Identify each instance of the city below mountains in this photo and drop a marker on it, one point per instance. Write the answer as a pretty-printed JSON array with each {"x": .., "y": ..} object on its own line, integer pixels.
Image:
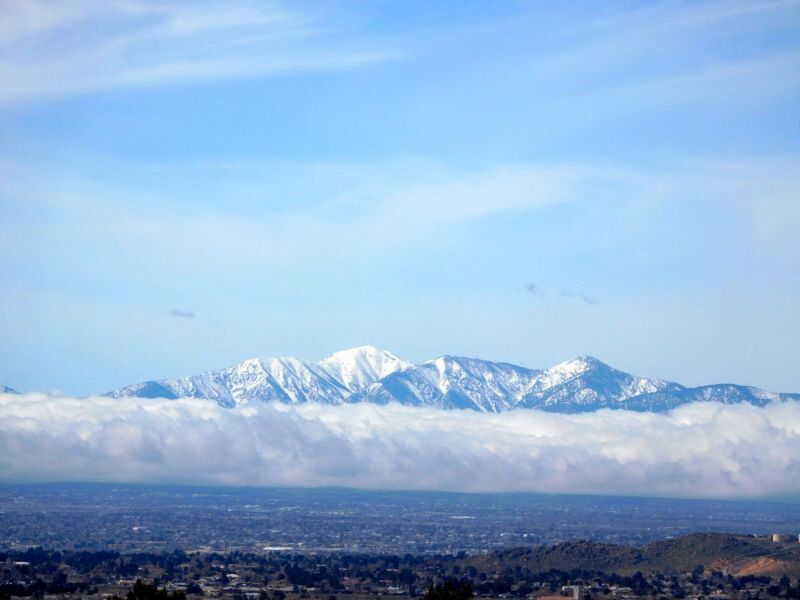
[{"x": 367, "y": 374}]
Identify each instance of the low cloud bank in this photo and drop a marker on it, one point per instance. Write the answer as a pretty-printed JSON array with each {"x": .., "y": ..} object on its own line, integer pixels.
[{"x": 697, "y": 450}]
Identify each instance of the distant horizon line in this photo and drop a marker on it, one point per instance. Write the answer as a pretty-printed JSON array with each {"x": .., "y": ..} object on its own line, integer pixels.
[{"x": 779, "y": 499}]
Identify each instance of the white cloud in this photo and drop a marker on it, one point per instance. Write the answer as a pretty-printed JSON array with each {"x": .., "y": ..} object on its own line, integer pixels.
[
  {"x": 60, "y": 48},
  {"x": 698, "y": 450},
  {"x": 262, "y": 208},
  {"x": 267, "y": 206}
]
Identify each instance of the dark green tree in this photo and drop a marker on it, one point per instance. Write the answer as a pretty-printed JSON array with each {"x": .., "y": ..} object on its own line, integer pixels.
[
  {"x": 150, "y": 591},
  {"x": 450, "y": 590}
]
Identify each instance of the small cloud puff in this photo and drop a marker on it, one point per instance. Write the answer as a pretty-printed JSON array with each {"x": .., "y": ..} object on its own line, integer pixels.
[
  {"x": 697, "y": 450},
  {"x": 568, "y": 294},
  {"x": 534, "y": 289},
  {"x": 590, "y": 299},
  {"x": 586, "y": 297}
]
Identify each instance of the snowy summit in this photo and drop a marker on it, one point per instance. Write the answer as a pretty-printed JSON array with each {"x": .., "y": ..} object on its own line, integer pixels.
[{"x": 367, "y": 374}]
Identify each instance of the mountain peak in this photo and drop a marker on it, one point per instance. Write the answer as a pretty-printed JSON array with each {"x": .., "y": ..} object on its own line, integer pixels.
[
  {"x": 452, "y": 359},
  {"x": 445, "y": 359},
  {"x": 358, "y": 367},
  {"x": 576, "y": 366},
  {"x": 368, "y": 374},
  {"x": 590, "y": 360},
  {"x": 356, "y": 351}
]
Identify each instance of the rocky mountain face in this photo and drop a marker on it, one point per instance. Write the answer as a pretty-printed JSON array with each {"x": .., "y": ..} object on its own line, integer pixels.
[
  {"x": 453, "y": 382},
  {"x": 367, "y": 374},
  {"x": 285, "y": 379}
]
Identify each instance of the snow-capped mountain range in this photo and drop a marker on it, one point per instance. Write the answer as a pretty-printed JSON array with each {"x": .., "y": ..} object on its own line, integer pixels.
[{"x": 366, "y": 374}]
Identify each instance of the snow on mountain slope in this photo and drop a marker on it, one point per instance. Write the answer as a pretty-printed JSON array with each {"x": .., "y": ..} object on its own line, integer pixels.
[
  {"x": 725, "y": 393},
  {"x": 581, "y": 384},
  {"x": 146, "y": 389},
  {"x": 366, "y": 374},
  {"x": 586, "y": 383},
  {"x": 359, "y": 367},
  {"x": 453, "y": 382},
  {"x": 285, "y": 379}
]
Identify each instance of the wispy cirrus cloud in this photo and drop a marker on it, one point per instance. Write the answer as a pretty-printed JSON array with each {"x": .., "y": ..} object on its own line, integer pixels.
[
  {"x": 658, "y": 56},
  {"x": 698, "y": 450},
  {"x": 62, "y": 48},
  {"x": 565, "y": 293},
  {"x": 585, "y": 297},
  {"x": 253, "y": 209}
]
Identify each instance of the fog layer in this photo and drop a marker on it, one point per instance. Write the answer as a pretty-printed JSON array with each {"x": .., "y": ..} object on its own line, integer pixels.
[{"x": 698, "y": 450}]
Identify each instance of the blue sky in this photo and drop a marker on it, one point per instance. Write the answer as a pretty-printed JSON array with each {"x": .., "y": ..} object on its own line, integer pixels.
[{"x": 186, "y": 185}]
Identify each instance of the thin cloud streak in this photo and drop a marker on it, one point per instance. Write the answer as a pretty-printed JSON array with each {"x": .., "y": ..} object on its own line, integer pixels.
[
  {"x": 648, "y": 57},
  {"x": 78, "y": 47},
  {"x": 566, "y": 294},
  {"x": 586, "y": 297},
  {"x": 387, "y": 206},
  {"x": 385, "y": 203},
  {"x": 698, "y": 450}
]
